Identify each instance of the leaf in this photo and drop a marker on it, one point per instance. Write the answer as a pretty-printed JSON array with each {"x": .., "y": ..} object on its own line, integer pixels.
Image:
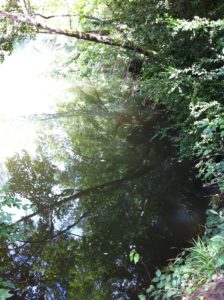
[
  {"x": 212, "y": 211},
  {"x": 161, "y": 284},
  {"x": 136, "y": 258},
  {"x": 150, "y": 289},
  {"x": 219, "y": 261},
  {"x": 141, "y": 297},
  {"x": 202, "y": 123},
  {"x": 4, "y": 294},
  {"x": 207, "y": 133},
  {"x": 218, "y": 239},
  {"x": 174, "y": 282},
  {"x": 158, "y": 273},
  {"x": 156, "y": 279},
  {"x": 131, "y": 255},
  {"x": 168, "y": 278},
  {"x": 207, "y": 151},
  {"x": 26, "y": 206},
  {"x": 171, "y": 293}
]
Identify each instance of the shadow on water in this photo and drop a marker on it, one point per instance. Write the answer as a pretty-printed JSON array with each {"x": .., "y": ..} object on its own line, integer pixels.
[
  {"x": 157, "y": 210},
  {"x": 173, "y": 205}
]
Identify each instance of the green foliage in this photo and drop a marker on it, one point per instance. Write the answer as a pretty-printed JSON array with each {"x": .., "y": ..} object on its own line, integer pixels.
[
  {"x": 196, "y": 266},
  {"x": 209, "y": 146},
  {"x": 141, "y": 297},
  {"x": 9, "y": 233},
  {"x": 32, "y": 179},
  {"x": 180, "y": 89},
  {"x": 134, "y": 256},
  {"x": 4, "y": 294}
]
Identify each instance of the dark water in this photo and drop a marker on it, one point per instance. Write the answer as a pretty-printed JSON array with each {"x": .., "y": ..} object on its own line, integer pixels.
[{"x": 156, "y": 206}]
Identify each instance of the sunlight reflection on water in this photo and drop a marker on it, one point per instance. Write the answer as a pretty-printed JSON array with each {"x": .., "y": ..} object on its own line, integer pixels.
[{"x": 27, "y": 87}]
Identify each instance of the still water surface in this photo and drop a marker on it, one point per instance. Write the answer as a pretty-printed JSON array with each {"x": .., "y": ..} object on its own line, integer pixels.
[{"x": 148, "y": 202}]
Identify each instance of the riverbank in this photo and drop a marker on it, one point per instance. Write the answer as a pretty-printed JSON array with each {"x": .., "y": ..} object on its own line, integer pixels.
[{"x": 198, "y": 272}]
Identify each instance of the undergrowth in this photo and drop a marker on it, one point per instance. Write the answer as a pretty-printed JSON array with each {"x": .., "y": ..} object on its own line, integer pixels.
[{"x": 198, "y": 265}]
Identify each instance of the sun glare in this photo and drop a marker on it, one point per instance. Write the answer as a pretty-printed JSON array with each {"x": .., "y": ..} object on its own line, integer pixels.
[{"x": 26, "y": 89}]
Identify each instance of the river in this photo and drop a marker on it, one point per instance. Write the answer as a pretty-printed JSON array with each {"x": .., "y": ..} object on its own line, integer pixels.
[{"x": 130, "y": 192}]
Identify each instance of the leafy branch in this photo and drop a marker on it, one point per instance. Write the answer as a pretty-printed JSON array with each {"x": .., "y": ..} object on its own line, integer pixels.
[{"x": 91, "y": 37}]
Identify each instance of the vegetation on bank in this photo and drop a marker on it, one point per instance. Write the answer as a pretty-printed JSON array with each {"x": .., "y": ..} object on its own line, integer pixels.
[{"x": 194, "y": 267}]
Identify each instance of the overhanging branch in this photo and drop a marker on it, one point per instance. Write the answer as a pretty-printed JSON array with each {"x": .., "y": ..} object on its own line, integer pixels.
[
  {"x": 91, "y": 37},
  {"x": 47, "y": 17}
]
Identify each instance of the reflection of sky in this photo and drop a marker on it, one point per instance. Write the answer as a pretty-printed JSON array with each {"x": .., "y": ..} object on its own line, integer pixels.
[{"x": 26, "y": 88}]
